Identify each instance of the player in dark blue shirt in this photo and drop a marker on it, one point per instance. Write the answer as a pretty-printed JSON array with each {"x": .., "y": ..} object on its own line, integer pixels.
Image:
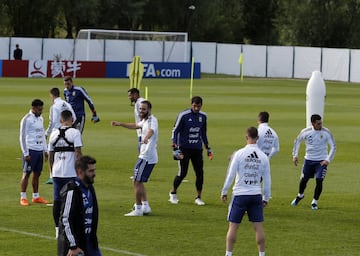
[
  {"x": 76, "y": 96},
  {"x": 188, "y": 137}
]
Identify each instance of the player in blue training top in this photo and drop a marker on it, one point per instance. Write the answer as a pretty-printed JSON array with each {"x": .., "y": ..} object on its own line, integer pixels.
[
  {"x": 188, "y": 136},
  {"x": 76, "y": 95}
]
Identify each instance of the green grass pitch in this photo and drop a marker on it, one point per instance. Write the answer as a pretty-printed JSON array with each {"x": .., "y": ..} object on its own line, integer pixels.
[{"x": 232, "y": 105}]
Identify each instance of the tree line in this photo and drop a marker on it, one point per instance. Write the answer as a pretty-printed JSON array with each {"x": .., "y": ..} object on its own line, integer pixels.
[{"x": 318, "y": 23}]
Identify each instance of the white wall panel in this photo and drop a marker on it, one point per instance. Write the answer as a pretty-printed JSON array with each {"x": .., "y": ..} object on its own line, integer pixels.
[
  {"x": 176, "y": 52},
  {"x": 307, "y": 60},
  {"x": 63, "y": 48},
  {"x": 4, "y": 48},
  {"x": 92, "y": 50},
  {"x": 119, "y": 50},
  {"x": 280, "y": 61},
  {"x": 228, "y": 59},
  {"x": 149, "y": 50},
  {"x": 205, "y": 53},
  {"x": 254, "y": 60},
  {"x": 355, "y": 66},
  {"x": 335, "y": 64}
]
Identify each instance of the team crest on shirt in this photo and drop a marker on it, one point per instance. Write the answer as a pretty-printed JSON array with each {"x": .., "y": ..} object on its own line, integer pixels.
[
  {"x": 200, "y": 119},
  {"x": 73, "y": 93}
]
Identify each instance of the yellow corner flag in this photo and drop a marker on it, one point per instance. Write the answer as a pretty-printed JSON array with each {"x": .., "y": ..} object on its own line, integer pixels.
[
  {"x": 241, "y": 59},
  {"x": 241, "y": 66}
]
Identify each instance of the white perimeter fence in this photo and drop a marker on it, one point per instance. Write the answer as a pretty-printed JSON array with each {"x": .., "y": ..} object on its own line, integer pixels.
[{"x": 215, "y": 58}]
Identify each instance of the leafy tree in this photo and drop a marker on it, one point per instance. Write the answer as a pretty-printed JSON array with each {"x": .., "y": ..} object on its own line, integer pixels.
[
  {"x": 79, "y": 14},
  {"x": 258, "y": 19},
  {"x": 30, "y": 19},
  {"x": 322, "y": 23}
]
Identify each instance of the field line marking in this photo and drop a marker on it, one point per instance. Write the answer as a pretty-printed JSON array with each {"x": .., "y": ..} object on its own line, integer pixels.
[{"x": 53, "y": 238}]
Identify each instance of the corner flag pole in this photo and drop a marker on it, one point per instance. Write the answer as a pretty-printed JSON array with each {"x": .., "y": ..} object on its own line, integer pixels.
[
  {"x": 241, "y": 65},
  {"x": 192, "y": 76}
]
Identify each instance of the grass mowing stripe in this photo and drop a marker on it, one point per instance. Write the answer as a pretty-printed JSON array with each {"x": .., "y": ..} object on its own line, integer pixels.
[{"x": 52, "y": 238}]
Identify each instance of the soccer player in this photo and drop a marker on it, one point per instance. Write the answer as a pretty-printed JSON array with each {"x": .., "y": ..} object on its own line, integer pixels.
[
  {"x": 188, "y": 136},
  {"x": 268, "y": 140},
  {"x": 134, "y": 97},
  {"x": 317, "y": 157},
  {"x": 64, "y": 149},
  {"x": 79, "y": 212},
  {"x": 147, "y": 158},
  {"x": 33, "y": 147},
  {"x": 56, "y": 108},
  {"x": 248, "y": 165},
  {"x": 76, "y": 96}
]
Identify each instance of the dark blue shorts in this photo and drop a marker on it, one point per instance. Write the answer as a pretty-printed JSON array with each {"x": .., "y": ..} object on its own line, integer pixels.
[
  {"x": 314, "y": 168},
  {"x": 36, "y": 161},
  {"x": 142, "y": 170},
  {"x": 252, "y": 204},
  {"x": 58, "y": 183}
]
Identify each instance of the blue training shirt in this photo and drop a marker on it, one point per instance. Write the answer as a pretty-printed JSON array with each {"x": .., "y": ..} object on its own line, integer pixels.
[
  {"x": 190, "y": 130},
  {"x": 76, "y": 97}
]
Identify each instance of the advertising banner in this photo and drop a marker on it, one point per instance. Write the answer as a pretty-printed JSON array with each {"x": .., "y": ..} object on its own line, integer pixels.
[
  {"x": 95, "y": 69},
  {"x": 154, "y": 70}
]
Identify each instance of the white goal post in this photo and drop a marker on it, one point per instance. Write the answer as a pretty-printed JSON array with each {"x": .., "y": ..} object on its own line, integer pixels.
[{"x": 173, "y": 40}]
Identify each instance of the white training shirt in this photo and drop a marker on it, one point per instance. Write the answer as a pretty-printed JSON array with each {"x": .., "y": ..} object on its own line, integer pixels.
[
  {"x": 268, "y": 140},
  {"x": 316, "y": 144},
  {"x": 54, "y": 116},
  {"x": 64, "y": 162},
  {"x": 32, "y": 134},
  {"x": 136, "y": 113},
  {"x": 248, "y": 165},
  {"x": 148, "y": 151}
]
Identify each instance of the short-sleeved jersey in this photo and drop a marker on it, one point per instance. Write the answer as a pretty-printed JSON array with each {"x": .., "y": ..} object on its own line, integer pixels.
[
  {"x": 64, "y": 162},
  {"x": 316, "y": 144},
  {"x": 148, "y": 151},
  {"x": 54, "y": 116},
  {"x": 268, "y": 140},
  {"x": 136, "y": 113},
  {"x": 190, "y": 130},
  {"x": 248, "y": 166},
  {"x": 32, "y": 135},
  {"x": 76, "y": 97}
]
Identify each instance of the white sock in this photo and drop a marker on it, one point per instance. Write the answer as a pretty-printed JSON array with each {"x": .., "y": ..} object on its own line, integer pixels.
[
  {"x": 22, "y": 195},
  {"x": 138, "y": 207},
  {"x": 145, "y": 203},
  {"x": 36, "y": 195},
  {"x": 261, "y": 253},
  {"x": 227, "y": 253},
  {"x": 300, "y": 195},
  {"x": 314, "y": 201}
]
